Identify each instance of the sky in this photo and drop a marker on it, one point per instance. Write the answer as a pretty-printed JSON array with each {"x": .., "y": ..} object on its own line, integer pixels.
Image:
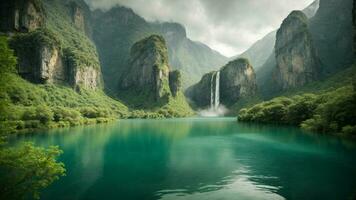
[{"x": 228, "y": 26}]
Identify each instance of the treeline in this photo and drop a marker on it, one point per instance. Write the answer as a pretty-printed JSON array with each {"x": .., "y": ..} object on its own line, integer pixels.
[{"x": 330, "y": 112}]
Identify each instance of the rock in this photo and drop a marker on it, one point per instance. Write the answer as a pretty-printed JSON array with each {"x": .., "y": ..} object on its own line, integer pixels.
[
  {"x": 200, "y": 93},
  {"x": 148, "y": 71},
  {"x": 296, "y": 57},
  {"x": 21, "y": 15},
  {"x": 40, "y": 60},
  {"x": 85, "y": 77},
  {"x": 175, "y": 82},
  {"x": 237, "y": 80}
]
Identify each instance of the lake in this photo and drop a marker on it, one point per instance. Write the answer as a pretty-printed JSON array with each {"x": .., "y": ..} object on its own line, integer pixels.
[{"x": 199, "y": 158}]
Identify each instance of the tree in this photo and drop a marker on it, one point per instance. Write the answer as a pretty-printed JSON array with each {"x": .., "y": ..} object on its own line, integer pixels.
[{"x": 26, "y": 169}]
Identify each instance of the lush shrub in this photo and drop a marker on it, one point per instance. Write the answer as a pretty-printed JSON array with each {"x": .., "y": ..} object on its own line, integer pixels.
[{"x": 333, "y": 111}]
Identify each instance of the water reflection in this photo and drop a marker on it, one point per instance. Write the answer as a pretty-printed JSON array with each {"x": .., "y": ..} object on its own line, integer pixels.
[{"x": 214, "y": 158}]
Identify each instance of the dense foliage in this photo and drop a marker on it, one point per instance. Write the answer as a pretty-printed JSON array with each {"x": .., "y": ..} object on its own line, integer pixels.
[
  {"x": 26, "y": 169},
  {"x": 329, "y": 112}
]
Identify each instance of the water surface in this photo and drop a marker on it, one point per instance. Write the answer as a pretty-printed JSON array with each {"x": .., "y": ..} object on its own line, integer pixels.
[{"x": 198, "y": 159}]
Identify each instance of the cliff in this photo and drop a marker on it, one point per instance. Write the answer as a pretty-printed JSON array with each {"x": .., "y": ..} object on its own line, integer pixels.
[
  {"x": 237, "y": 80},
  {"x": 296, "y": 57},
  {"x": 147, "y": 82},
  {"x": 148, "y": 70},
  {"x": 54, "y": 48}
]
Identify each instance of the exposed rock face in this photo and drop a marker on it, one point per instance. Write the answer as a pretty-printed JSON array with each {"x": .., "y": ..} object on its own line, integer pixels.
[
  {"x": 237, "y": 80},
  {"x": 21, "y": 15},
  {"x": 296, "y": 58},
  {"x": 40, "y": 60},
  {"x": 148, "y": 71},
  {"x": 175, "y": 82},
  {"x": 200, "y": 93},
  {"x": 87, "y": 77}
]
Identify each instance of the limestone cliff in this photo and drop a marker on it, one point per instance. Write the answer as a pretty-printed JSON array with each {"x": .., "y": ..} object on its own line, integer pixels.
[
  {"x": 42, "y": 60},
  {"x": 21, "y": 15},
  {"x": 147, "y": 76},
  {"x": 296, "y": 57},
  {"x": 237, "y": 80}
]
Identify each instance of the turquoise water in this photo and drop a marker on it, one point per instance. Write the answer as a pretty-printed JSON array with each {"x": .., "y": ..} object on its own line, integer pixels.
[{"x": 206, "y": 158}]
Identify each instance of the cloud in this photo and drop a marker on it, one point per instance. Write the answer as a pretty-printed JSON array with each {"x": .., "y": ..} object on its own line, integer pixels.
[{"x": 228, "y": 26}]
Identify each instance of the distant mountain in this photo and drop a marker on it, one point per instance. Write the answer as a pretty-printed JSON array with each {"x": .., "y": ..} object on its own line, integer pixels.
[
  {"x": 116, "y": 30},
  {"x": 259, "y": 52}
]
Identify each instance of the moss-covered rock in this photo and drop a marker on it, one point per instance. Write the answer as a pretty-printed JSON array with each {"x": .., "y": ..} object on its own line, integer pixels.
[{"x": 148, "y": 70}]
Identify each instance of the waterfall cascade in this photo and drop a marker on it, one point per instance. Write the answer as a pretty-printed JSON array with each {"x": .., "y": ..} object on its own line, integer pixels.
[{"x": 215, "y": 91}]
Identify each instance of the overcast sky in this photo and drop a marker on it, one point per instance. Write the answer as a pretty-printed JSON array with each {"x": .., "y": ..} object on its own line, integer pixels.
[{"x": 228, "y": 26}]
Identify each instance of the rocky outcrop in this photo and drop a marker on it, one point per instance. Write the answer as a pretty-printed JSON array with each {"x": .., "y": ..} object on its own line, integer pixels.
[
  {"x": 296, "y": 57},
  {"x": 175, "y": 82},
  {"x": 237, "y": 80},
  {"x": 41, "y": 60},
  {"x": 200, "y": 94},
  {"x": 21, "y": 15},
  {"x": 148, "y": 70},
  {"x": 86, "y": 77}
]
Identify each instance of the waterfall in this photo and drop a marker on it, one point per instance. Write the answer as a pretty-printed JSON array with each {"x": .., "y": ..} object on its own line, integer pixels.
[
  {"x": 215, "y": 92},
  {"x": 212, "y": 91}
]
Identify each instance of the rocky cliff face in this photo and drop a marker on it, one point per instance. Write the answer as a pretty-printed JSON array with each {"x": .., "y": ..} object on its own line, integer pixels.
[
  {"x": 148, "y": 70},
  {"x": 201, "y": 93},
  {"x": 296, "y": 57},
  {"x": 21, "y": 15},
  {"x": 237, "y": 80}
]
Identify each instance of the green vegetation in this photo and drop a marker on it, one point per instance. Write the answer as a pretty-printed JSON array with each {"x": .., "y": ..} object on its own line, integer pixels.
[
  {"x": 329, "y": 112},
  {"x": 26, "y": 106},
  {"x": 77, "y": 47},
  {"x": 25, "y": 170}
]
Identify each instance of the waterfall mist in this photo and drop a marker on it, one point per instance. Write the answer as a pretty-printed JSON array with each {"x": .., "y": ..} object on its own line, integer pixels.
[{"x": 215, "y": 108}]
